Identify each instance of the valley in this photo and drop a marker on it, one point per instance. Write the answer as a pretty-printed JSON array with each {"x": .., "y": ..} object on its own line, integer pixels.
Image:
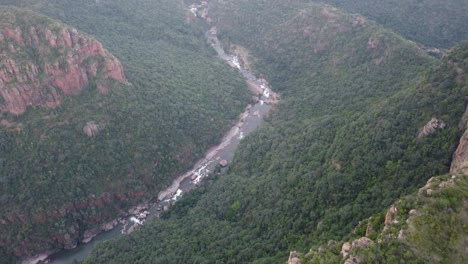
[
  {"x": 154, "y": 131},
  {"x": 210, "y": 166}
]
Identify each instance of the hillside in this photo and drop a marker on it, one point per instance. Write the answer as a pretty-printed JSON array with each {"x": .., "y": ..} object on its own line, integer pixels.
[
  {"x": 82, "y": 138},
  {"x": 425, "y": 227},
  {"x": 429, "y": 22},
  {"x": 359, "y": 125},
  {"x": 42, "y": 64}
]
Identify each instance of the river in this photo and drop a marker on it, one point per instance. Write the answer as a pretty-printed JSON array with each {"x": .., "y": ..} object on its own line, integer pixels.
[{"x": 248, "y": 121}]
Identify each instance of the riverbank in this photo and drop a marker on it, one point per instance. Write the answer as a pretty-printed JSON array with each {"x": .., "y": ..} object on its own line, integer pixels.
[{"x": 263, "y": 98}]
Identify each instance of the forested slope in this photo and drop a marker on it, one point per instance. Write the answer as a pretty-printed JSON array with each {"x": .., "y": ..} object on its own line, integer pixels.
[
  {"x": 432, "y": 23},
  {"x": 56, "y": 182},
  {"x": 344, "y": 143},
  {"x": 425, "y": 227},
  {"x": 429, "y": 22}
]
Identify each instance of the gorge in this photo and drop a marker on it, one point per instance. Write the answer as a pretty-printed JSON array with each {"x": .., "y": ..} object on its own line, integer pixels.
[{"x": 109, "y": 121}]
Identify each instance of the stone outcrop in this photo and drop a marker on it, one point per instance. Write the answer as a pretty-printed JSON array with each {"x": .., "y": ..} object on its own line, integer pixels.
[
  {"x": 431, "y": 127},
  {"x": 362, "y": 242},
  {"x": 294, "y": 258},
  {"x": 460, "y": 157},
  {"x": 91, "y": 129},
  {"x": 345, "y": 249},
  {"x": 223, "y": 163},
  {"x": 390, "y": 214},
  {"x": 351, "y": 260},
  {"x": 369, "y": 229},
  {"x": 42, "y": 63}
]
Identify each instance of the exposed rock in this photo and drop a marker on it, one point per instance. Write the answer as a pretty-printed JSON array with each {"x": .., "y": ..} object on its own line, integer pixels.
[
  {"x": 431, "y": 127},
  {"x": 138, "y": 209},
  {"x": 358, "y": 20},
  {"x": 132, "y": 228},
  {"x": 445, "y": 184},
  {"x": 389, "y": 216},
  {"x": 41, "y": 258},
  {"x": 369, "y": 229},
  {"x": 401, "y": 235},
  {"x": 294, "y": 258},
  {"x": 91, "y": 128},
  {"x": 351, "y": 260},
  {"x": 223, "y": 163},
  {"x": 255, "y": 99},
  {"x": 460, "y": 157},
  {"x": 434, "y": 52},
  {"x": 90, "y": 234},
  {"x": 362, "y": 242},
  {"x": 413, "y": 212},
  {"x": 372, "y": 43},
  {"x": 254, "y": 88},
  {"x": 463, "y": 119},
  {"x": 109, "y": 226},
  {"x": 345, "y": 249},
  {"x": 67, "y": 62},
  {"x": 429, "y": 192},
  {"x": 69, "y": 242}
]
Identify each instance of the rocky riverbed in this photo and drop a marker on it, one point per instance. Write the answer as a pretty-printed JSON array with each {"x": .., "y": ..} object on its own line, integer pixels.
[{"x": 215, "y": 160}]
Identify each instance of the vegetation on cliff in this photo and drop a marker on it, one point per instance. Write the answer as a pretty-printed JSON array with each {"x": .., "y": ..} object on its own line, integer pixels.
[
  {"x": 428, "y": 226},
  {"x": 342, "y": 146},
  {"x": 70, "y": 167}
]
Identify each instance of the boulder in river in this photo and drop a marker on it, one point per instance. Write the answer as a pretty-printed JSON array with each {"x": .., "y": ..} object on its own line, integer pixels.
[
  {"x": 255, "y": 99},
  {"x": 223, "y": 163}
]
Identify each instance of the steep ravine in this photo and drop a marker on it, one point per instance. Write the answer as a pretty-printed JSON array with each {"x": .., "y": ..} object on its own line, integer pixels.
[
  {"x": 429, "y": 224},
  {"x": 263, "y": 99}
]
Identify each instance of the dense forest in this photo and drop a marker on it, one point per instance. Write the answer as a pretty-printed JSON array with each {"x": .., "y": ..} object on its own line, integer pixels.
[
  {"x": 347, "y": 140},
  {"x": 179, "y": 101},
  {"x": 429, "y": 225},
  {"x": 344, "y": 143},
  {"x": 431, "y": 23}
]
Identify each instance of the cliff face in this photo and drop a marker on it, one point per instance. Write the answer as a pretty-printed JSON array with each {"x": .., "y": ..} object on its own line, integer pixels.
[
  {"x": 424, "y": 227},
  {"x": 42, "y": 63},
  {"x": 460, "y": 157}
]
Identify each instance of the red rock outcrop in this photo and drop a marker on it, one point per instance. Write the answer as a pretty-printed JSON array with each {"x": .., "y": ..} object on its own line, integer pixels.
[
  {"x": 63, "y": 62},
  {"x": 460, "y": 157}
]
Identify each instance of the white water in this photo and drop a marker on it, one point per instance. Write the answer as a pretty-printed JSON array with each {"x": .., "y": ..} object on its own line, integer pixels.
[
  {"x": 136, "y": 221},
  {"x": 251, "y": 118}
]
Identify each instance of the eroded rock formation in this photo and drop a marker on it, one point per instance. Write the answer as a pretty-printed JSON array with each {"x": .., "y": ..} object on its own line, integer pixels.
[
  {"x": 41, "y": 64},
  {"x": 431, "y": 127},
  {"x": 294, "y": 258},
  {"x": 460, "y": 157}
]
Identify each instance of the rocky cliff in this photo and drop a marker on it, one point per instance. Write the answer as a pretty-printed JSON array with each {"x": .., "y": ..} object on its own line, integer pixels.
[
  {"x": 43, "y": 61},
  {"x": 427, "y": 227}
]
